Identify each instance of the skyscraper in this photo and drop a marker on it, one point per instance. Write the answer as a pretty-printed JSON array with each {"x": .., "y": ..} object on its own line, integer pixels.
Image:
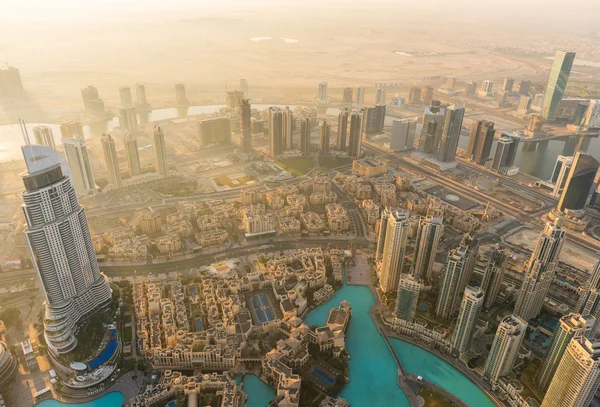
[
  {"x": 451, "y": 133},
  {"x": 234, "y": 99},
  {"x": 305, "y": 135},
  {"x": 128, "y": 118},
  {"x": 485, "y": 89},
  {"x": 524, "y": 87},
  {"x": 125, "y": 95},
  {"x": 360, "y": 96},
  {"x": 569, "y": 326},
  {"x": 160, "y": 152},
  {"x": 373, "y": 119},
  {"x": 414, "y": 95},
  {"x": 385, "y": 214},
  {"x": 557, "y": 83},
  {"x": 287, "y": 119},
  {"x": 403, "y": 134},
  {"x": 43, "y": 136},
  {"x": 577, "y": 377},
  {"x": 245, "y": 125},
  {"x": 111, "y": 160},
  {"x": 491, "y": 281},
  {"x": 275, "y": 136},
  {"x": 592, "y": 115},
  {"x": 69, "y": 129},
  {"x": 506, "y": 151},
  {"x": 427, "y": 93},
  {"x": 560, "y": 173},
  {"x": 470, "y": 307},
  {"x": 507, "y": 86},
  {"x": 323, "y": 98},
  {"x": 140, "y": 93},
  {"x": 180, "y": 96},
  {"x": 505, "y": 347},
  {"x": 342, "y": 129},
  {"x": 589, "y": 299},
  {"x": 480, "y": 141},
  {"x": 355, "y": 142},
  {"x": 91, "y": 99},
  {"x": 432, "y": 127},
  {"x": 244, "y": 87},
  {"x": 393, "y": 250},
  {"x": 451, "y": 281},
  {"x": 78, "y": 158},
  {"x": 428, "y": 237},
  {"x": 215, "y": 130},
  {"x": 348, "y": 93},
  {"x": 61, "y": 248},
  {"x": 524, "y": 104},
  {"x": 131, "y": 154},
  {"x": 380, "y": 96},
  {"x": 539, "y": 271},
  {"x": 579, "y": 182},
  {"x": 408, "y": 296},
  {"x": 325, "y": 130}
]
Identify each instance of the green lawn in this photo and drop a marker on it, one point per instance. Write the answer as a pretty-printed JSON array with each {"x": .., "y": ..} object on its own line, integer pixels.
[
  {"x": 297, "y": 165},
  {"x": 127, "y": 334}
]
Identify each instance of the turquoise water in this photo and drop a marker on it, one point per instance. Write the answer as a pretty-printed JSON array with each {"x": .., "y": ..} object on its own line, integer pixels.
[
  {"x": 373, "y": 372},
  {"x": 114, "y": 399},
  {"x": 259, "y": 394}
]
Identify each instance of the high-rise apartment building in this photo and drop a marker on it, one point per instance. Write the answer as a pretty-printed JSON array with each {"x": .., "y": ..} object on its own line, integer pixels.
[
  {"x": 524, "y": 87},
  {"x": 125, "y": 95},
  {"x": 380, "y": 96},
  {"x": 10, "y": 82},
  {"x": 342, "y": 133},
  {"x": 393, "y": 250},
  {"x": 305, "y": 129},
  {"x": 348, "y": 94},
  {"x": 428, "y": 237},
  {"x": 275, "y": 136},
  {"x": 91, "y": 99},
  {"x": 480, "y": 141},
  {"x": 471, "y": 88},
  {"x": 592, "y": 115},
  {"x": 111, "y": 160},
  {"x": 140, "y": 93},
  {"x": 569, "y": 326},
  {"x": 506, "y": 152},
  {"x": 491, "y": 281},
  {"x": 451, "y": 281},
  {"x": 507, "y": 86},
  {"x": 468, "y": 315},
  {"x": 557, "y": 83},
  {"x": 451, "y": 133},
  {"x": 78, "y": 158},
  {"x": 505, "y": 347},
  {"x": 427, "y": 93},
  {"x": 244, "y": 87},
  {"x": 355, "y": 140},
  {"x": 414, "y": 95},
  {"x": 245, "y": 125},
  {"x": 216, "y": 130},
  {"x": 234, "y": 99},
  {"x": 408, "y": 295},
  {"x": 560, "y": 173},
  {"x": 132, "y": 155},
  {"x": 403, "y": 134},
  {"x": 360, "y": 97},
  {"x": 70, "y": 129},
  {"x": 579, "y": 182},
  {"x": 44, "y": 137},
  {"x": 577, "y": 377},
  {"x": 323, "y": 97},
  {"x": 589, "y": 299},
  {"x": 373, "y": 119},
  {"x": 160, "y": 152},
  {"x": 325, "y": 132},
  {"x": 287, "y": 119},
  {"x": 61, "y": 249},
  {"x": 385, "y": 214},
  {"x": 128, "y": 118},
  {"x": 485, "y": 89},
  {"x": 524, "y": 105},
  {"x": 539, "y": 271},
  {"x": 432, "y": 127},
  {"x": 180, "y": 95}
]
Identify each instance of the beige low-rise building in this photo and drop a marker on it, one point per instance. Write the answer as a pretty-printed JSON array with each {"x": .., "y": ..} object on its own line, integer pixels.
[
  {"x": 386, "y": 194},
  {"x": 312, "y": 222},
  {"x": 251, "y": 196},
  {"x": 323, "y": 198},
  {"x": 321, "y": 183},
  {"x": 371, "y": 210},
  {"x": 150, "y": 222},
  {"x": 289, "y": 226},
  {"x": 369, "y": 167},
  {"x": 338, "y": 220},
  {"x": 363, "y": 191},
  {"x": 211, "y": 238},
  {"x": 168, "y": 244},
  {"x": 275, "y": 201}
]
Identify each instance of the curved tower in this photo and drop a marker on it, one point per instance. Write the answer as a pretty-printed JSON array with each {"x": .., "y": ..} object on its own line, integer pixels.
[{"x": 61, "y": 248}]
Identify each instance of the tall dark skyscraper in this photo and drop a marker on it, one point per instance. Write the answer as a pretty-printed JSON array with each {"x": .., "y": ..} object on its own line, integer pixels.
[
  {"x": 557, "y": 83},
  {"x": 506, "y": 151},
  {"x": 245, "y": 125},
  {"x": 342, "y": 129},
  {"x": 305, "y": 129},
  {"x": 325, "y": 131},
  {"x": 579, "y": 182},
  {"x": 373, "y": 119},
  {"x": 524, "y": 87},
  {"x": 160, "y": 152},
  {"x": 111, "y": 161},
  {"x": 432, "y": 127},
  {"x": 451, "y": 133},
  {"x": 480, "y": 141},
  {"x": 354, "y": 147},
  {"x": 507, "y": 86},
  {"x": 131, "y": 154},
  {"x": 275, "y": 136}
]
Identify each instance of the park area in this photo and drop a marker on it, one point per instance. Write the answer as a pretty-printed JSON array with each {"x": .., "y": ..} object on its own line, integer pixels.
[{"x": 297, "y": 166}]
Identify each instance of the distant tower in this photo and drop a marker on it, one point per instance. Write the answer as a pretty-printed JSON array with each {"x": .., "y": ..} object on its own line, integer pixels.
[
  {"x": 128, "y": 118},
  {"x": 160, "y": 152},
  {"x": 577, "y": 377},
  {"x": 287, "y": 119},
  {"x": 61, "y": 249},
  {"x": 589, "y": 299},
  {"x": 480, "y": 141},
  {"x": 111, "y": 160},
  {"x": 427, "y": 93},
  {"x": 70, "y": 129},
  {"x": 569, "y": 326},
  {"x": 275, "y": 136},
  {"x": 77, "y": 155},
  {"x": 140, "y": 93},
  {"x": 360, "y": 96},
  {"x": 380, "y": 96},
  {"x": 428, "y": 237},
  {"x": 468, "y": 316},
  {"x": 44, "y": 137},
  {"x": 305, "y": 129},
  {"x": 244, "y": 87},
  {"x": 408, "y": 296},
  {"x": 323, "y": 98},
  {"x": 507, "y": 86},
  {"x": 557, "y": 83},
  {"x": 91, "y": 99},
  {"x": 393, "y": 251},
  {"x": 451, "y": 134},
  {"x": 403, "y": 134},
  {"x": 539, "y": 271},
  {"x": 414, "y": 95},
  {"x": 342, "y": 129},
  {"x": 491, "y": 281},
  {"x": 125, "y": 95},
  {"x": 505, "y": 347},
  {"x": 579, "y": 182},
  {"x": 325, "y": 130},
  {"x": 131, "y": 154},
  {"x": 348, "y": 94},
  {"x": 245, "y": 125},
  {"x": 486, "y": 88},
  {"x": 355, "y": 142},
  {"x": 524, "y": 87},
  {"x": 180, "y": 96}
]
